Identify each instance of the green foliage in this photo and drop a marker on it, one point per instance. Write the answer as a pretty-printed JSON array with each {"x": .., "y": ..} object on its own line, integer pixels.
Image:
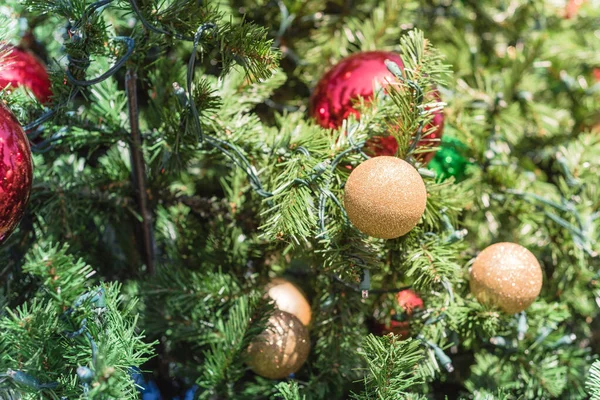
[
  {"x": 593, "y": 382},
  {"x": 288, "y": 391},
  {"x": 224, "y": 358},
  {"x": 71, "y": 323},
  {"x": 391, "y": 366},
  {"x": 257, "y": 192}
]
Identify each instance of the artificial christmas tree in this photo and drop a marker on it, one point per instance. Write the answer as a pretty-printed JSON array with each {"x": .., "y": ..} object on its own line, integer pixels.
[{"x": 181, "y": 171}]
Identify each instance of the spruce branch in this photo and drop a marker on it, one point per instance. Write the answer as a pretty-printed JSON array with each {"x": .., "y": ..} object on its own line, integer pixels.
[
  {"x": 65, "y": 327},
  {"x": 183, "y": 303},
  {"x": 392, "y": 366},
  {"x": 246, "y": 319},
  {"x": 288, "y": 391},
  {"x": 593, "y": 381}
]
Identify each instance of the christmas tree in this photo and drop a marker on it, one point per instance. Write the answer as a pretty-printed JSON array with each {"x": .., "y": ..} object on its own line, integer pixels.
[{"x": 299, "y": 199}]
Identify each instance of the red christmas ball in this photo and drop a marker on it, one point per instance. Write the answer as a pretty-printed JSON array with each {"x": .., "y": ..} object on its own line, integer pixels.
[
  {"x": 400, "y": 323},
  {"x": 572, "y": 8},
  {"x": 409, "y": 301},
  {"x": 354, "y": 76},
  {"x": 16, "y": 172},
  {"x": 20, "y": 67}
]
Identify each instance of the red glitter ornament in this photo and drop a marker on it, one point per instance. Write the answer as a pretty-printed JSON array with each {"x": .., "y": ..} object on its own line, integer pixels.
[
  {"x": 409, "y": 301},
  {"x": 21, "y": 68},
  {"x": 354, "y": 76},
  {"x": 16, "y": 172}
]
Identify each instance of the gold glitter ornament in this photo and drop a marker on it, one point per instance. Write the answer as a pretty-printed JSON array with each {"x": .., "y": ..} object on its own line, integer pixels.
[
  {"x": 281, "y": 349},
  {"x": 385, "y": 197},
  {"x": 288, "y": 298},
  {"x": 506, "y": 275}
]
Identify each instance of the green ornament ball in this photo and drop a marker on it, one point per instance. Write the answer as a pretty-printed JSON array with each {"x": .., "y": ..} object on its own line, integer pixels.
[{"x": 449, "y": 160}]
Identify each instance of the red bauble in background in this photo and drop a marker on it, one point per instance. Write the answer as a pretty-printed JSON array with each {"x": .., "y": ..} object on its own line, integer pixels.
[
  {"x": 16, "y": 172},
  {"x": 388, "y": 145},
  {"x": 354, "y": 76},
  {"x": 409, "y": 301},
  {"x": 572, "y": 8},
  {"x": 400, "y": 324},
  {"x": 21, "y": 68}
]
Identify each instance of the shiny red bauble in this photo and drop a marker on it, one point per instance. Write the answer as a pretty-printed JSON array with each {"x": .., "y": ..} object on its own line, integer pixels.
[
  {"x": 16, "y": 172},
  {"x": 354, "y": 76},
  {"x": 21, "y": 68}
]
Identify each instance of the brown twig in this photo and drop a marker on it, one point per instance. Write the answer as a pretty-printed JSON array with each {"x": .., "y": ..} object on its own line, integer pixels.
[{"x": 138, "y": 173}]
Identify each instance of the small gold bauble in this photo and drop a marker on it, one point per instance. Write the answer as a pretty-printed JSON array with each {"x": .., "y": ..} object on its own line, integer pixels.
[
  {"x": 281, "y": 349},
  {"x": 385, "y": 197},
  {"x": 288, "y": 298},
  {"x": 506, "y": 275}
]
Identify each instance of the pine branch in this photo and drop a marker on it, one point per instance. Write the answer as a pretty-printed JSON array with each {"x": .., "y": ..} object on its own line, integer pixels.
[
  {"x": 593, "y": 381},
  {"x": 67, "y": 328},
  {"x": 391, "y": 365},
  {"x": 247, "y": 318},
  {"x": 288, "y": 391}
]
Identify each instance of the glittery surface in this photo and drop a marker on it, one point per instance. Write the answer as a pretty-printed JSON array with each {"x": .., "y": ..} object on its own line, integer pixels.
[
  {"x": 288, "y": 298},
  {"x": 506, "y": 275},
  {"x": 449, "y": 159},
  {"x": 385, "y": 197},
  {"x": 23, "y": 68},
  {"x": 15, "y": 172},
  {"x": 281, "y": 349},
  {"x": 331, "y": 101}
]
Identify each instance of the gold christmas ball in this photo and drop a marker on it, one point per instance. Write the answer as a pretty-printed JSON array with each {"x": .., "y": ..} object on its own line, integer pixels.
[
  {"x": 288, "y": 298},
  {"x": 281, "y": 349},
  {"x": 385, "y": 197},
  {"x": 506, "y": 275}
]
